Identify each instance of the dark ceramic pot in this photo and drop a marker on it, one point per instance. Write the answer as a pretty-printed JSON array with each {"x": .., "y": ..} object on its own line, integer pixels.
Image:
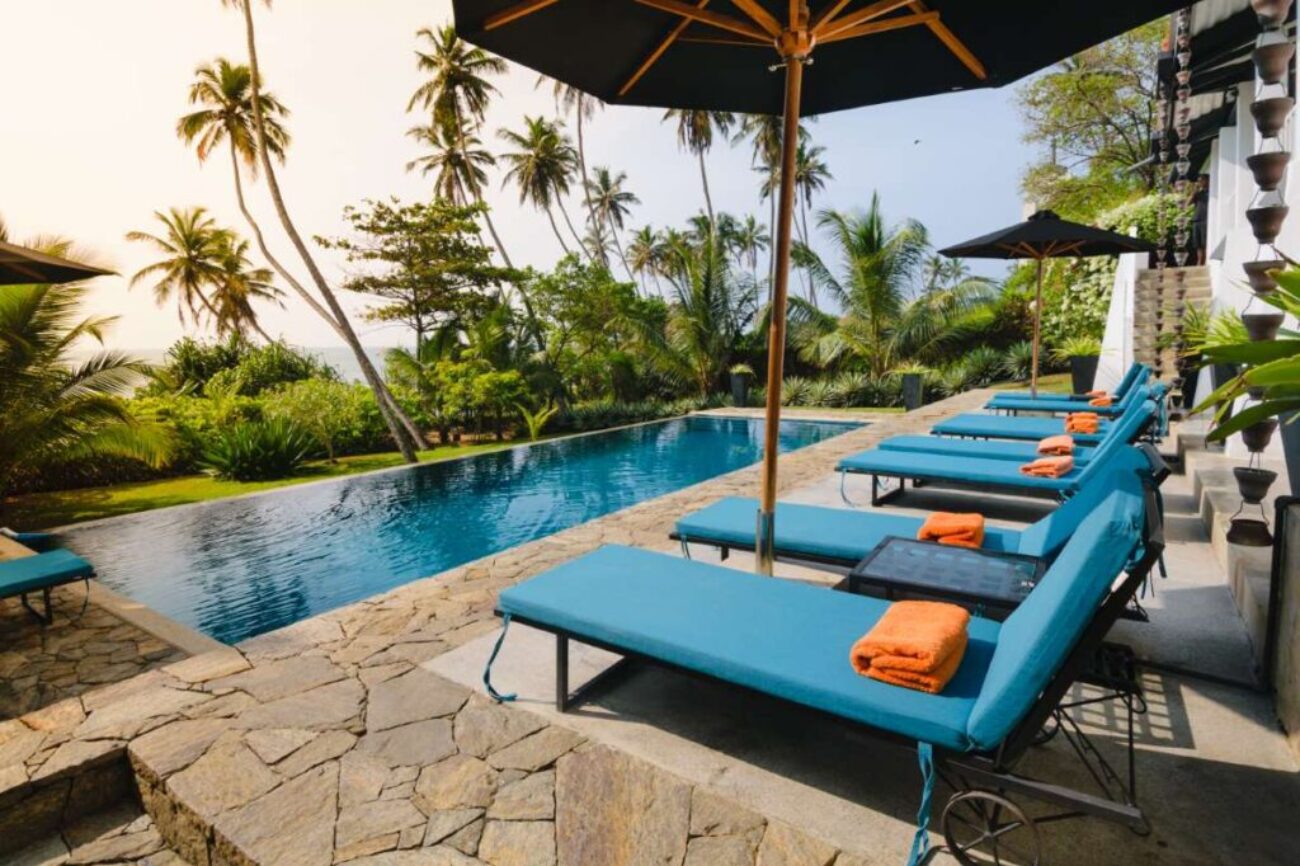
[
  {"x": 740, "y": 389},
  {"x": 1257, "y": 272},
  {"x": 1262, "y": 326},
  {"x": 1083, "y": 372},
  {"x": 1273, "y": 60},
  {"x": 1249, "y": 532},
  {"x": 1257, "y": 436},
  {"x": 1268, "y": 168},
  {"x": 1271, "y": 13},
  {"x": 1266, "y": 222},
  {"x": 1253, "y": 484},
  {"x": 912, "y": 391},
  {"x": 1271, "y": 114}
]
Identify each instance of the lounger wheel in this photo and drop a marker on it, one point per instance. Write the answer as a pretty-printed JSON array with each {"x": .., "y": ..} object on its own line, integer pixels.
[{"x": 982, "y": 826}]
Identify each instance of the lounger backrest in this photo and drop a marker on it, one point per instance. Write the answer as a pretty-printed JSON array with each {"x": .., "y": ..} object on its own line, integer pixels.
[
  {"x": 1122, "y": 432},
  {"x": 1035, "y": 641},
  {"x": 1046, "y": 537},
  {"x": 1131, "y": 378}
]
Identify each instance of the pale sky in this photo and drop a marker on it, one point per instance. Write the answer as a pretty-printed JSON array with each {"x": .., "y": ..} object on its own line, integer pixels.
[{"x": 93, "y": 91}]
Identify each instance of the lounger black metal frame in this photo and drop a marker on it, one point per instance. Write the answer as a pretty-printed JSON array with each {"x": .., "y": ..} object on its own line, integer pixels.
[
  {"x": 47, "y": 618},
  {"x": 980, "y": 780}
]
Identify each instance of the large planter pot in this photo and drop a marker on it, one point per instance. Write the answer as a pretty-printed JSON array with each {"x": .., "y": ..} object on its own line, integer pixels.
[
  {"x": 1253, "y": 484},
  {"x": 1257, "y": 436},
  {"x": 1290, "y": 428},
  {"x": 1083, "y": 372},
  {"x": 740, "y": 389},
  {"x": 1270, "y": 114},
  {"x": 1271, "y": 13},
  {"x": 1266, "y": 222},
  {"x": 1262, "y": 326},
  {"x": 1269, "y": 168},
  {"x": 912, "y": 391},
  {"x": 1249, "y": 532},
  {"x": 1261, "y": 283},
  {"x": 1273, "y": 60}
]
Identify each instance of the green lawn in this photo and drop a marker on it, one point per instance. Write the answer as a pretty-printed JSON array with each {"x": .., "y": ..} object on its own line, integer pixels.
[
  {"x": 44, "y": 510},
  {"x": 1050, "y": 382}
]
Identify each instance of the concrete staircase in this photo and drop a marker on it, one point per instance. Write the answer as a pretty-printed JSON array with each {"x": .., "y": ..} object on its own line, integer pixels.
[{"x": 1158, "y": 308}]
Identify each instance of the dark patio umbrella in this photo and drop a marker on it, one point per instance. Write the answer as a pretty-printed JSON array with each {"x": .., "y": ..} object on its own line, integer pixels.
[
  {"x": 20, "y": 265},
  {"x": 1046, "y": 236},
  {"x": 722, "y": 56}
]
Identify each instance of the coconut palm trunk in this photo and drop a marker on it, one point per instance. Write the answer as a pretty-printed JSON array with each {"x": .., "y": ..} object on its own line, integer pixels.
[
  {"x": 564, "y": 212},
  {"x": 704, "y": 178},
  {"x": 582, "y": 167},
  {"x": 555, "y": 228},
  {"x": 618, "y": 247},
  {"x": 403, "y": 430}
]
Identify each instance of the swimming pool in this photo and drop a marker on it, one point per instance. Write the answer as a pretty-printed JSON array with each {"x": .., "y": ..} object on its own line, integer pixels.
[{"x": 236, "y": 568}]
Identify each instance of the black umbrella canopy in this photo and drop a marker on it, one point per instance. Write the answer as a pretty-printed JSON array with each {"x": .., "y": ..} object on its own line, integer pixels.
[
  {"x": 717, "y": 55},
  {"x": 1045, "y": 236},
  {"x": 20, "y": 266}
]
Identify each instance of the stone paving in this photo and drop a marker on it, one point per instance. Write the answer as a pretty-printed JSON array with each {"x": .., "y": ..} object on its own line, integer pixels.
[
  {"x": 325, "y": 742},
  {"x": 120, "y": 836}
]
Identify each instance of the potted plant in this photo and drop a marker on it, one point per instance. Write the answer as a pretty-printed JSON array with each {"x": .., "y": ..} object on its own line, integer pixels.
[
  {"x": 740, "y": 376},
  {"x": 1270, "y": 370},
  {"x": 1083, "y": 355},
  {"x": 913, "y": 376}
]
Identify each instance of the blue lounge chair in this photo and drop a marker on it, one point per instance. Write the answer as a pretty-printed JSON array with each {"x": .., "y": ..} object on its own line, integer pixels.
[
  {"x": 980, "y": 425},
  {"x": 1014, "y": 404},
  {"x": 791, "y": 641},
  {"x": 1136, "y": 375},
  {"x": 986, "y": 474},
  {"x": 837, "y": 539},
  {"x": 37, "y": 541},
  {"x": 41, "y": 573}
]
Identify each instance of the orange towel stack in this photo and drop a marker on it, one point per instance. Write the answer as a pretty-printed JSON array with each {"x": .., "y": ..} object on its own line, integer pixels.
[
  {"x": 1082, "y": 422},
  {"x": 916, "y": 644},
  {"x": 1097, "y": 394},
  {"x": 1101, "y": 401},
  {"x": 1056, "y": 446},
  {"x": 1048, "y": 467},
  {"x": 960, "y": 530}
]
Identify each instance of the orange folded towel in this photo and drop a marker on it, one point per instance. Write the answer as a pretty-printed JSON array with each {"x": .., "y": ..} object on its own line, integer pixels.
[
  {"x": 960, "y": 530},
  {"x": 1080, "y": 422},
  {"x": 1056, "y": 446},
  {"x": 916, "y": 644},
  {"x": 1100, "y": 401},
  {"x": 1048, "y": 467},
  {"x": 1097, "y": 394}
]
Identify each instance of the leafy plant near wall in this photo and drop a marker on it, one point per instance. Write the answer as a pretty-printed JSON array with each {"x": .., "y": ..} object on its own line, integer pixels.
[
  {"x": 258, "y": 451},
  {"x": 1273, "y": 375},
  {"x": 1076, "y": 347}
]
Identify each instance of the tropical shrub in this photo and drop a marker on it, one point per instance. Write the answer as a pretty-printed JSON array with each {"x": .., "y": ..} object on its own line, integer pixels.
[
  {"x": 602, "y": 414},
  {"x": 194, "y": 421},
  {"x": 1076, "y": 347},
  {"x": 536, "y": 420},
  {"x": 192, "y": 366},
  {"x": 258, "y": 451},
  {"x": 1018, "y": 361},
  {"x": 341, "y": 418}
]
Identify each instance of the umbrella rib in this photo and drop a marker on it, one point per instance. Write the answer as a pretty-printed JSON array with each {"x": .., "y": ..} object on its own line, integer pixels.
[
  {"x": 651, "y": 60},
  {"x": 872, "y": 27},
  {"x": 760, "y": 16},
  {"x": 514, "y": 13},
  {"x": 955, "y": 45},
  {"x": 713, "y": 19},
  {"x": 828, "y": 25}
]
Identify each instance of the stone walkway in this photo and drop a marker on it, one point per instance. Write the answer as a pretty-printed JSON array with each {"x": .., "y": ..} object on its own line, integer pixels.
[{"x": 122, "y": 836}]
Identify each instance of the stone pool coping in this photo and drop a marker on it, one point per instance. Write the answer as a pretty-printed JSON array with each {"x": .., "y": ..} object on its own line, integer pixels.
[{"x": 201, "y": 734}]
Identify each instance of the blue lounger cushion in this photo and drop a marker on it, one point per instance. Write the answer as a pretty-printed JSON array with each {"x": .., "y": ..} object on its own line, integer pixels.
[
  {"x": 962, "y": 470},
  {"x": 31, "y": 573},
  {"x": 784, "y": 638},
  {"x": 1021, "y": 452},
  {"x": 981, "y": 426},
  {"x": 1037, "y": 638},
  {"x": 815, "y": 531},
  {"x": 1059, "y": 406},
  {"x": 1137, "y": 374}
]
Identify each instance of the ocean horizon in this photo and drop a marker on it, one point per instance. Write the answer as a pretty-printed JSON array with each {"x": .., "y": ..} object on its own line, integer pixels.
[{"x": 340, "y": 358}]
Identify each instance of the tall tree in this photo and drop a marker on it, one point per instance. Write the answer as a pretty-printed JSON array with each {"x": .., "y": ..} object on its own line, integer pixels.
[
  {"x": 237, "y": 285},
  {"x": 405, "y": 434},
  {"x": 749, "y": 241},
  {"x": 611, "y": 202},
  {"x": 457, "y": 94},
  {"x": 571, "y": 100},
  {"x": 646, "y": 254},
  {"x": 810, "y": 176},
  {"x": 191, "y": 245},
  {"x": 456, "y": 158},
  {"x": 695, "y": 132},
  {"x": 542, "y": 168}
]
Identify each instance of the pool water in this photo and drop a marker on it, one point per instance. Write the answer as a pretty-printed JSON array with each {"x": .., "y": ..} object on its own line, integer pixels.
[{"x": 240, "y": 567}]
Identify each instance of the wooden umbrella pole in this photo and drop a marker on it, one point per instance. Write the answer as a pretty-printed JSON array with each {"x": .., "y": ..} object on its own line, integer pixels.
[
  {"x": 1038, "y": 320},
  {"x": 794, "y": 54}
]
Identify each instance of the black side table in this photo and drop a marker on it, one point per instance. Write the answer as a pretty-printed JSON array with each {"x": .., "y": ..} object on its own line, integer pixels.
[{"x": 906, "y": 566}]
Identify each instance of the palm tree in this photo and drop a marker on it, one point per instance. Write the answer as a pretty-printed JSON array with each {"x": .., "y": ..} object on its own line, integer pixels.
[
  {"x": 612, "y": 203},
  {"x": 404, "y": 432},
  {"x": 458, "y": 93},
  {"x": 456, "y": 158},
  {"x": 192, "y": 246},
  {"x": 941, "y": 272},
  {"x": 583, "y": 105},
  {"x": 749, "y": 240},
  {"x": 695, "y": 131},
  {"x": 877, "y": 265},
  {"x": 646, "y": 254},
  {"x": 810, "y": 176},
  {"x": 52, "y": 409},
  {"x": 542, "y": 167},
  {"x": 237, "y": 284}
]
